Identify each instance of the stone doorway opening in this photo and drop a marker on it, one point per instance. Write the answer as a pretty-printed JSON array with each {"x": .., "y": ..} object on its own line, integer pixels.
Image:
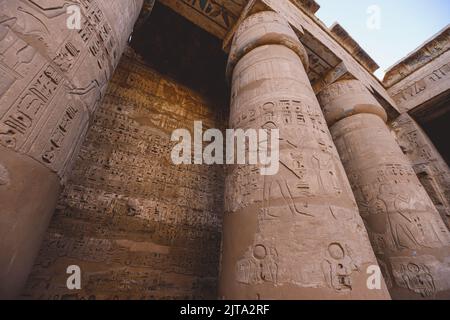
[
  {"x": 174, "y": 46},
  {"x": 434, "y": 118}
]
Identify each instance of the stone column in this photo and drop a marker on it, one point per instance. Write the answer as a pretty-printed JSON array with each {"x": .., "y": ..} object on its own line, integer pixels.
[
  {"x": 431, "y": 169},
  {"x": 406, "y": 231},
  {"x": 52, "y": 78},
  {"x": 296, "y": 234}
]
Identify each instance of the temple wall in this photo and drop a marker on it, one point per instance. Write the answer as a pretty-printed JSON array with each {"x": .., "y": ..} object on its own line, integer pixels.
[
  {"x": 137, "y": 225},
  {"x": 53, "y": 76},
  {"x": 95, "y": 140},
  {"x": 420, "y": 85},
  {"x": 428, "y": 164}
]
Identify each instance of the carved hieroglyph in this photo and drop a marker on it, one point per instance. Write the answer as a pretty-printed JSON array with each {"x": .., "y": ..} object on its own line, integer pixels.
[
  {"x": 296, "y": 234},
  {"x": 428, "y": 82},
  {"x": 406, "y": 230},
  {"x": 138, "y": 226},
  {"x": 430, "y": 167},
  {"x": 52, "y": 79}
]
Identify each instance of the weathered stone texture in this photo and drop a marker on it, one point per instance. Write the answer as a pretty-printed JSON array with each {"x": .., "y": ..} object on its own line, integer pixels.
[
  {"x": 55, "y": 77},
  {"x": 423, "y": 85},
  {"x": 424, "y": 55},
  {"x": 137, "y": 225},
  {"x": 430, "y": 167},
  {"x": 142, "y": 228},
  {"x": 296, "y": 234},
  {"x": 407, "y": 233},
  {"x": 353, "y": 47},
  {"x": 52, "y": 80}
]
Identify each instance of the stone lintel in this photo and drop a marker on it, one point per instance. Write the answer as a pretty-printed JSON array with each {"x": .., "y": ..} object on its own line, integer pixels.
[
  {"x": 427, "y": 52},
  {"x": 424, "y": 84},
  {"x": 310, "y": 6},
  {"x": 344, "y": 38}
]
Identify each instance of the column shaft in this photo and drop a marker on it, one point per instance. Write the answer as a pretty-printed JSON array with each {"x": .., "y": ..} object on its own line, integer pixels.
[
  {"x": 406, "y": 231},
  {"x": 296, "y": 234},
  {"x": 52, "y": 77}
]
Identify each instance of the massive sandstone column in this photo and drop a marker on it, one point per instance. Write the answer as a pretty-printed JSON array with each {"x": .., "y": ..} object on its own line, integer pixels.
[
  {"x": 406, "y": 231},
  {"x": 297, "y": 234},
  {"x": 51, "y": 81}
]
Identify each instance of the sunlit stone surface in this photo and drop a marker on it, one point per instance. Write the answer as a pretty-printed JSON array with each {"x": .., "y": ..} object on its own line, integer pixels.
[{"x": 86, "y": 130}]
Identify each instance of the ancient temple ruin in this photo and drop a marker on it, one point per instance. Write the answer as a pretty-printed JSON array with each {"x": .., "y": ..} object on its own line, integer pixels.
[{"x": 86, "y": 177}]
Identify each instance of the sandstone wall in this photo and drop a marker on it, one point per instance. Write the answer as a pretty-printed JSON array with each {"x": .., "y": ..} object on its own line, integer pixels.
[
  {"x": 52, "y": 79},
  {"x": 138, "y": 226},
  {"x": 428, "y": 164}
]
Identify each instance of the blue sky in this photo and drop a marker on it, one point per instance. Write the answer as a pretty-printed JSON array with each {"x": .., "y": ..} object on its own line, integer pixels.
[{"x": 403, "y": 24}]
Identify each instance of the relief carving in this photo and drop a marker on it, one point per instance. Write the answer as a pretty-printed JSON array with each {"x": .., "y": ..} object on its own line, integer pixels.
[
  {"x": 138, "y": 226},
  {"x": 398, "y": 213},
  {"x": 299, "y": 228},
  {"x": 427, "y": 163}
]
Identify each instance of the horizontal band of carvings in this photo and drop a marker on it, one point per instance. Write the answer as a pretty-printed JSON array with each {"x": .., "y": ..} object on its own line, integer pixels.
[
  {"x": 425, "y": 54},
  {"x": 260, "y": 29},
  {"x": 423, "y": 85},
  {"x": 346, "y": 98}
]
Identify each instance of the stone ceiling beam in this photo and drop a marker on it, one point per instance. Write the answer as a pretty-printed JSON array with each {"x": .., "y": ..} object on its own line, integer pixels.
[
  {"x": 328, "y": 48},
  {"x": 353, "y": 47}
]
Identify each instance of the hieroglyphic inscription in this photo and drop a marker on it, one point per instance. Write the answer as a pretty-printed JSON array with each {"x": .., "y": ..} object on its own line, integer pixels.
[
  {"x": 300, "y": 228},
  {"x": 402, "y": 221},
  {"x": 53, "y": 78},
  {"x": 398, "y": 213},
  {"x": 215, "y": 16},
  {"x": 398, "y": 217},
  {"x": 430, "y": 167},
  {"x": 412, "y": 90},
  {"x": 422, "y": 86},
  {"x": 137, "y": 225}
]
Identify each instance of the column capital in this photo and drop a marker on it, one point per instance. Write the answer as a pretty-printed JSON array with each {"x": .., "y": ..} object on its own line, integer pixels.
[
  {"x": 264, "y": 28},
  {"x": 345, "y": 98}
]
